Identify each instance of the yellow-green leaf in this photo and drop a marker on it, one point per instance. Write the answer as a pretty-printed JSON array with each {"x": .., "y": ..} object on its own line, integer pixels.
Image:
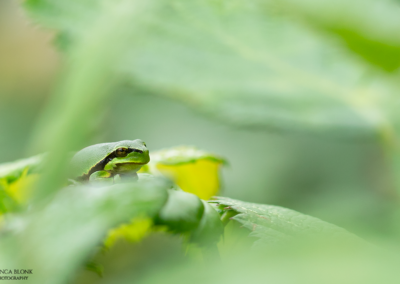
[
  {"x": 14, "y": 170},
  {"x": 193, "y": 170},
  {"x": 135, "y": 231},
  {"x": 21, "y": 189}
]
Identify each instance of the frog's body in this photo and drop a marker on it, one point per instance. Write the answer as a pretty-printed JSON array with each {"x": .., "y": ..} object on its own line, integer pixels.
[{"x": 106, "y": 160}]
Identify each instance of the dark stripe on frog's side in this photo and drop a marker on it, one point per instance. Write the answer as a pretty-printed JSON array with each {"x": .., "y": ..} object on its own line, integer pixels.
[{"x": 100, "y": 165}]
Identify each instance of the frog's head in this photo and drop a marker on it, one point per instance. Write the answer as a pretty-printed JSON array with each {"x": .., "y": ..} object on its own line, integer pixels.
[{"x": 127, "y": 156}]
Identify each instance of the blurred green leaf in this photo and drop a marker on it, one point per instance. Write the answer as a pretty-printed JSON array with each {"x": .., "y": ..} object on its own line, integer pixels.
[
  {"x": 242, "y": 63},
  {"x": 59, "y": 239},
  {"x": 369, "y": 28},
  {"x": 16, "y": 180},
  {"x": 274, "y": 224},
  {"x": 182, "y": 212},
  {"x": 295, "y": 265},
  {"x": 95, "y": 267},
  {"x": 13, "y": 170},
  {"x": 186, "y": 213},
  {"x": 183, "y": 155},
  {"x": 7, "y": 203},
  {"x": 134, "y": 231},
  {"x": 253, "y": 69},
  {"x": 210, "y": 228},
  {"x": 85, "y": 87}
]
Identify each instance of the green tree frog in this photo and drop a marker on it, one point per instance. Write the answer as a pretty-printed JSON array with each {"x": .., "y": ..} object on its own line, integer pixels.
[{"x": 109, "y": 161}]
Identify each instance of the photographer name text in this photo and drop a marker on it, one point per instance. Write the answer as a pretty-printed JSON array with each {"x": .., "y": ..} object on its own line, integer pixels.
[{"x": 15, "y": 274}]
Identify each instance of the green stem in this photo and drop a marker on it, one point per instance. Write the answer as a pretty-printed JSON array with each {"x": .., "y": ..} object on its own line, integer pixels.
[{"x": 84, "y": 90}]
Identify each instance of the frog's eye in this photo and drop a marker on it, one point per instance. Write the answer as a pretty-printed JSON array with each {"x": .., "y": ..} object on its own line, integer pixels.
[{"x": 121, "y": 152}]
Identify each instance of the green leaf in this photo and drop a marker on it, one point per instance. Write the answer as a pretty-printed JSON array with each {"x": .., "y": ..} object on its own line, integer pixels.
[
  {"x": 7, "y": 203},
  {"x": 183, "y": 155},
  {"x": 59, "y": 239},
  {"x": 239, "y": 62},
  {"x": 95, "y": 267},
  {"x": 274, "y": 224},
  {"x": 13, "y": 170},
  {"x": 193, "y": 170},
  {"x": 133, "y": 232},
  {"x": 182, "y": 212},
  {"x": 210, "y": 228},
  {"x": 253, "y": 69},
  {"x": 371, "y": 32}
]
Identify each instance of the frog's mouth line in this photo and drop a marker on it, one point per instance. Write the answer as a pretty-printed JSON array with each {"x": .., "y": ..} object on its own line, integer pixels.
[
  {"x": 130, "y": 163},
  {"x": 127, "y": 165}
]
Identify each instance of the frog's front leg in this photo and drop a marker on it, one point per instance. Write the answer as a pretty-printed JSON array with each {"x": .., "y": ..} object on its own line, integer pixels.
[{"x": 102, "y": 177}]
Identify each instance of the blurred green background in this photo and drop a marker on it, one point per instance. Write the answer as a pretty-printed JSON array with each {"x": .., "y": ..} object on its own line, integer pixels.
[
  {"x": 343, "y": 180},
  {"x": 300, "y": 96}
]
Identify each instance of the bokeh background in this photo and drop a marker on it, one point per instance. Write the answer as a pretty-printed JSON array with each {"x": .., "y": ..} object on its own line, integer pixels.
[
  {"x": 340, "y": 180},
  {"x": 300, "y": 97}
]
